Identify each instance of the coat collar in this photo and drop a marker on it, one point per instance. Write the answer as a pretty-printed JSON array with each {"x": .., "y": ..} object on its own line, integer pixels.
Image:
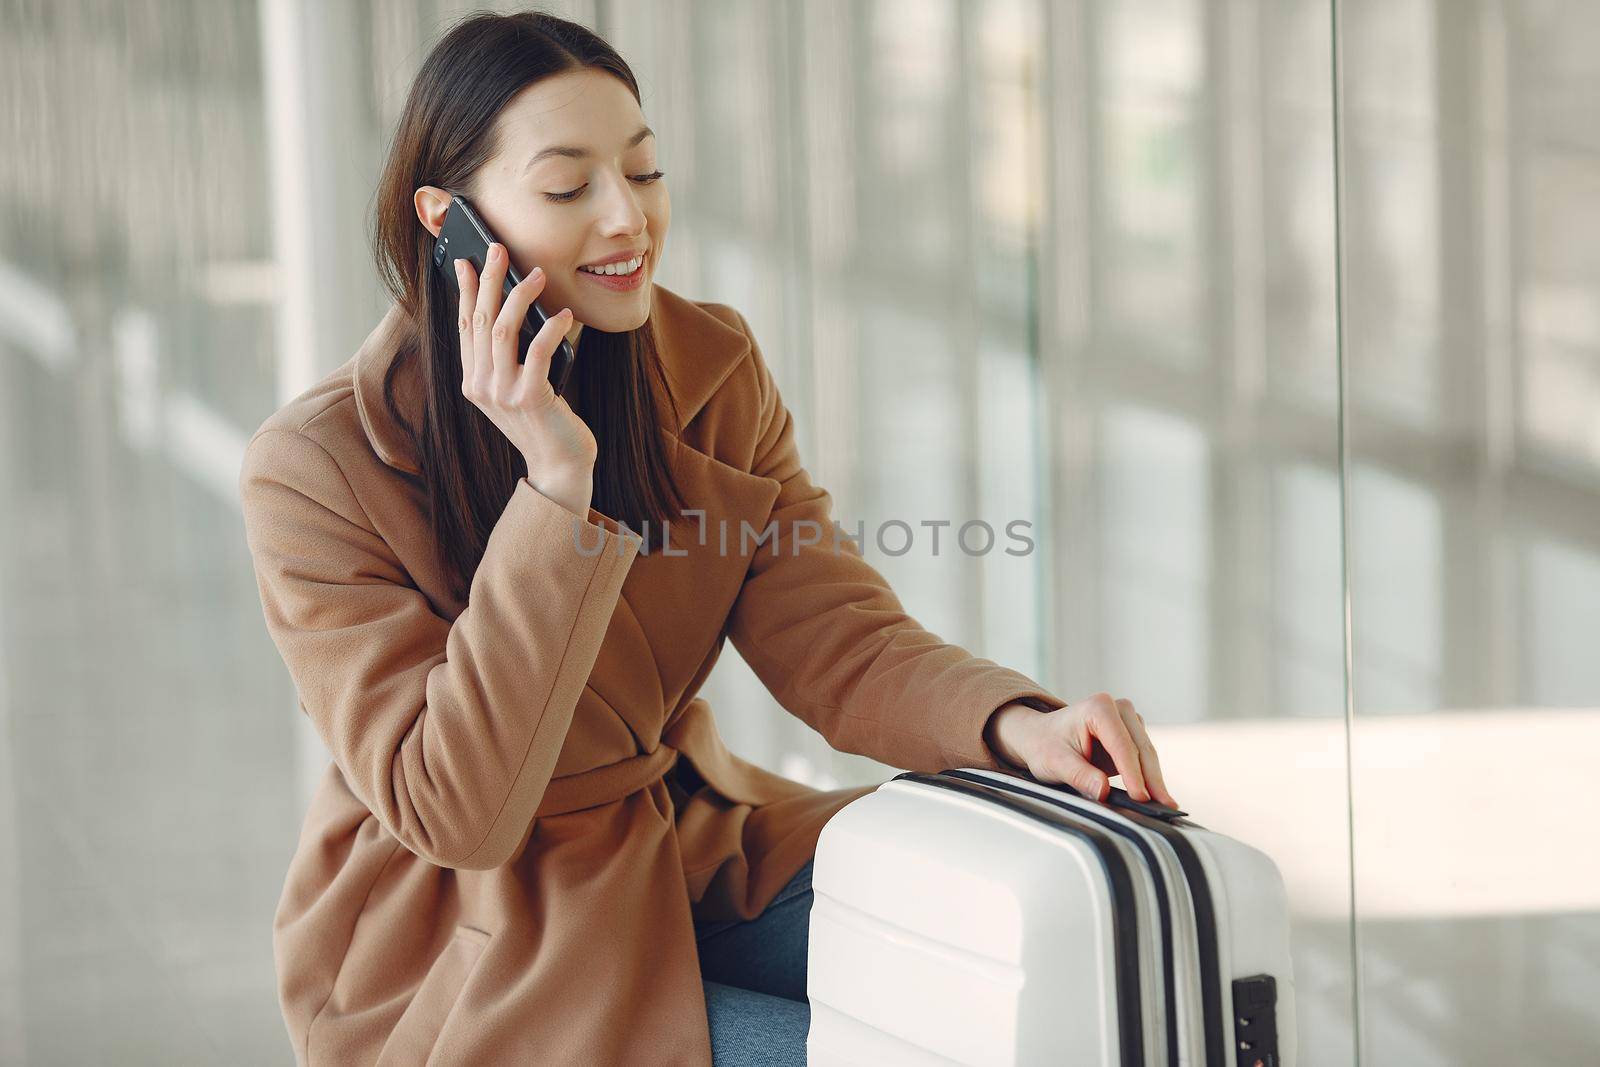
[{"x": 698, "y": 351}]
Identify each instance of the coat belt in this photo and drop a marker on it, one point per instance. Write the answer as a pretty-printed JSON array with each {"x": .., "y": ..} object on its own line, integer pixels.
[{"x": 603, "y": 785}]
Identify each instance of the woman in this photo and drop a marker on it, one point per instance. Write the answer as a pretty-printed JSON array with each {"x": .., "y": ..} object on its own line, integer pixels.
[{"x": 531, "y": 845}]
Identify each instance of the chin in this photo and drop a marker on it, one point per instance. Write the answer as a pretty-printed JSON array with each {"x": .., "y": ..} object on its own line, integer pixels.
[{"x": 620, "y": 319}]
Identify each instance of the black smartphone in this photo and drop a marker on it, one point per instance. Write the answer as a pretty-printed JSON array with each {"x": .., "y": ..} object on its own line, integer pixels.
[{"x": 465, "y": 236}]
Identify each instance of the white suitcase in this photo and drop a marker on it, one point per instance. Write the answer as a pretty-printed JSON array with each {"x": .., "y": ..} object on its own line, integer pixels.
[{"x": 980, "y": 918}]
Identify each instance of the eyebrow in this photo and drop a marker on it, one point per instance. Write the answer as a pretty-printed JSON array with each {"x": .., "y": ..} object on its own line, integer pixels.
[{"x": 579, "y": 151}]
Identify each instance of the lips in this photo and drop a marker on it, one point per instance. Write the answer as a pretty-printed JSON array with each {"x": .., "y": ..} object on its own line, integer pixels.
[
  {"x": 619, "y": 283},
  {"x": 620, "y": 257}
]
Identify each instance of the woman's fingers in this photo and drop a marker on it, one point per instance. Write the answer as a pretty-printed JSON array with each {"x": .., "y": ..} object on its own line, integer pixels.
[
  {"x": 1108, "y": 727},
  {"x": 1081, "y": 775},
  {"x": 1149, "y": 762},
  {"x": 1084, "y": 743},
  {"x": 486, "y": 327},
  {"x": 508, "y": 324},
  {"x": 542, "y": 350},
  {"x": 467, "y": 281},
  {"x": 1064, "y": 750}
]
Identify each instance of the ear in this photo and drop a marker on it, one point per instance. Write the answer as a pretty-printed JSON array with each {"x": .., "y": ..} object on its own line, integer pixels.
[{"x": 432, "y": 202}]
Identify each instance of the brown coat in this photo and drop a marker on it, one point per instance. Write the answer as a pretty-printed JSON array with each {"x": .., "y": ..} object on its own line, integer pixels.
[{"x": 504, "y": 860}]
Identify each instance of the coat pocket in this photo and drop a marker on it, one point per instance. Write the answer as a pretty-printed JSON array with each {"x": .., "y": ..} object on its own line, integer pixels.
[{"x": 414, "y": 1036}]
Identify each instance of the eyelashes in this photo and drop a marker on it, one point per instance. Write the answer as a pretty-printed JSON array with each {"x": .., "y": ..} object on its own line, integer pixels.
[{"x": 642, "y": 179}]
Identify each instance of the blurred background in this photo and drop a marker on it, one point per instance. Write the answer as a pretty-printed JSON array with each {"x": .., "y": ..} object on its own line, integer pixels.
[{"x": 1278, "y": 319}]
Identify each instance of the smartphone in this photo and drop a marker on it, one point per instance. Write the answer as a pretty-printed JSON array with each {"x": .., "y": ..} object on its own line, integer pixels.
[{"x": 465, "y": 236}]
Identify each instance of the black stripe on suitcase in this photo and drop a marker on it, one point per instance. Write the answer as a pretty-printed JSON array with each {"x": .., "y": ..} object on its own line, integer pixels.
[
  {"x": 1163, "y": 901},
  {"x": 1124, "y": 924},
  {"x": 1199, "y": 892},
  {"x": 1205, "y": 929}
]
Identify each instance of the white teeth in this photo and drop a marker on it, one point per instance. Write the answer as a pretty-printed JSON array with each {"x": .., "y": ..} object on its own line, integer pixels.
[{"x": 624, "y": 268}]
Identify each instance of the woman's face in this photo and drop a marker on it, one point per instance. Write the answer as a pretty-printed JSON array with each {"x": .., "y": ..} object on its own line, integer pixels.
[{"x": 590, "y": 200}]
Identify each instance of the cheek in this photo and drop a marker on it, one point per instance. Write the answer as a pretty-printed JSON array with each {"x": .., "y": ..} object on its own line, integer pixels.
[
  {"x": 549, "y": 240},
  {"x": 657, "y": 218}
]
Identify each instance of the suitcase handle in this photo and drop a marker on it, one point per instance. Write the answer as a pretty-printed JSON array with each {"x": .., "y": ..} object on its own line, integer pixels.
[{"x": 1119, "y": 798}]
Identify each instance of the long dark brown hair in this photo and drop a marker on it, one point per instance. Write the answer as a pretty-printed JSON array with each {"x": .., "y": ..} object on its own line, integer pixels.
[{"x": 445, "y": 134}]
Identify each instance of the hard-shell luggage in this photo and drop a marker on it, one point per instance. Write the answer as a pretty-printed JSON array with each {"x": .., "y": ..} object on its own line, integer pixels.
[{"x": 981, "y": 918}]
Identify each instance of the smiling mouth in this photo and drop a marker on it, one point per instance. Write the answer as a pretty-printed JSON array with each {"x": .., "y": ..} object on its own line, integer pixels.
[{"x": 624, "y": 269}]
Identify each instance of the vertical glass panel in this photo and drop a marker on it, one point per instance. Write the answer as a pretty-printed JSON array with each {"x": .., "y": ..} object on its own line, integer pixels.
[
  {"x": 1152, "y": 157},
  {"x": 1560, "y": 617},
  {"x": 1472, "y": 342},
  {"x": 1155, "y": 514},
  {"x": 1298, "y": 310},
  {"x": 1396, "y": 553},
  {"x": 1393, "y": 196},
  {"x": 1308, "y": 670},
  {"x": 1558, "y": 304},
  {"x": 147, "y": 746},
  {"x": 1188, "y": 324},
  {"x": 912, "y": 78}
]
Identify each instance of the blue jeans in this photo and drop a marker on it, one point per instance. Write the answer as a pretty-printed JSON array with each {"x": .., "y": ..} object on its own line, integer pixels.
[{"x": 754, "y": 975}]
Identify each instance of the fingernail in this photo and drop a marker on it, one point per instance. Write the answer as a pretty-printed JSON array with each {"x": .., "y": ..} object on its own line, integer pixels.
[
  {"x": 535, "y": 272},
  {"x": 494, "y": 252},
  {"x": 460, "y": 273}
]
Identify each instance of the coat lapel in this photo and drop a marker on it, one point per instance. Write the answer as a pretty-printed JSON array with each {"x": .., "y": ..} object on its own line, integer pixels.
[{"x": 678, "y": 594}]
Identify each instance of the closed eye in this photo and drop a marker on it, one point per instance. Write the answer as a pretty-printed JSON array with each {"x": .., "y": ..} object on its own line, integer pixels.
[{"x": 642, "y": 179}]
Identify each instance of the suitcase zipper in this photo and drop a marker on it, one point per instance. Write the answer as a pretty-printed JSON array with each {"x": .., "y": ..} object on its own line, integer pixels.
[
  {"x": 1206, "y": 933},
  {"x": 1204, "y": 912},
  {"x": 1124, "y": 925}
]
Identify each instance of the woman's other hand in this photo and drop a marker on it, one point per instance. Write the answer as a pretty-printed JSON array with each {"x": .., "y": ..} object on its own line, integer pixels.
[{"x": 1061, "y": 746}]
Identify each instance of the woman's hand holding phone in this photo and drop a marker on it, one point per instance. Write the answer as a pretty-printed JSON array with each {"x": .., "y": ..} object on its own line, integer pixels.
[{"x": 558, "y": 446}]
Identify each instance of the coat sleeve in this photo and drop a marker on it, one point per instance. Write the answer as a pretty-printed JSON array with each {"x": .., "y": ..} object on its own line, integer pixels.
[
  {"x": 828, "y": 636},
  {"x": 447, "y": 730}
]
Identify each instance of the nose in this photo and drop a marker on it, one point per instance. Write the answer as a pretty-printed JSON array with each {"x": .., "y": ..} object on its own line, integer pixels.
[{"x": 620, "y": 214}]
